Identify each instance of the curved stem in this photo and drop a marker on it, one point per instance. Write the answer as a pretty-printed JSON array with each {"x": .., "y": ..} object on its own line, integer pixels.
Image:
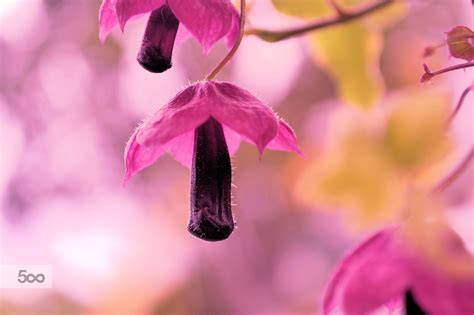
[
  {"x": 341, "y": 17},
  {"x": 430, "y": 50},
  {"x": 428, "y": 75},
  {"x": 459, "y": 104},
  {"x": 231, "y": 53},
  {"x": 336, "y": 7},
  {"x": 455, "y": 173}
]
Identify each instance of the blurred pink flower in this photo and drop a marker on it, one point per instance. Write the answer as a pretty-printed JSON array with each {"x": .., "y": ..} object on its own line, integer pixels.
[
  {"x": 207, "y": 20},
  {"x": 202, "y": 127},
  {"x": 383, "y": 270}
]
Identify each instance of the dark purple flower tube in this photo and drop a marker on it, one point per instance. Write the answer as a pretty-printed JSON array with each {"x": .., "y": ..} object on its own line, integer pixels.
[
  {"x": 211, "y": 214},
  {"x": 411, "y": 306},
  {"x": 158, "y": 41}
]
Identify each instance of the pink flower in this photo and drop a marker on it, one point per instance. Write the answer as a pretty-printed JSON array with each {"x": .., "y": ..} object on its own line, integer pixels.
[
  {"x": 202, "y": 127},
  {"x": 207, "y": 20},
  {"x": 385, "y": 270}
]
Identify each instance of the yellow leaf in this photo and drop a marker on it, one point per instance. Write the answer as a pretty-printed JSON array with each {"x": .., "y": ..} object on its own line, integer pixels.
[
  {"x": 388, "y": 15},
  {"x": 354, "y": 175},
  {"x": 415, "y": 135},
  {"x": 350, "y": 53},
  {"x": 306, "y": 9},
  {"x": 372, "y": 162}
]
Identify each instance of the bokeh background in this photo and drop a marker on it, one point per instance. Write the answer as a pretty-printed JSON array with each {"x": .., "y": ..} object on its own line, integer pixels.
[{"x": 67, "y": 107}]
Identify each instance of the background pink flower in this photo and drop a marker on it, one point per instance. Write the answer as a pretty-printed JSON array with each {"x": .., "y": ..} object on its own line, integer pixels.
[{"x": 385, "y": 270}]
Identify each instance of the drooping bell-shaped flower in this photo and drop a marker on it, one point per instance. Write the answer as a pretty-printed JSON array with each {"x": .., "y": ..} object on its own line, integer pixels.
[
  {"x": 202, "y": 127},
  {"x": 207, "y": 20},
  {"x": 385, "y": 270}
]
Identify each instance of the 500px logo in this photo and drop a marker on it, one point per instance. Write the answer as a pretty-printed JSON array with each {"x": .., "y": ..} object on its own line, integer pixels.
[
  {"x": 30, "y": 277},
  {"x": 26, "y": 276}
]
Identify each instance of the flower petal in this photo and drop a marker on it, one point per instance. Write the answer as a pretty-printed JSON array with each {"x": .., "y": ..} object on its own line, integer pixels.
[
  {"x": 234, "y": 31},
  {"x": 244, "y": 113},
  {"x": 381, "y": 277},
  {"x": 207, "y": 20},
  {"x": 182, "y": 35},
  {"x": 348, "y": 285},
  {"x": 436, "y": 290},
  {"x": 186, "y": 111},
  {"x": 232, "y": 139},
  {"x": 137, "y": 156},
  {"x": 170, "y": 128},
  {"x": 444, "y": 295},
  {"x": 125, "y": 9},
  {"x": 285, "y": 139},
  {"x": 107, "y": 19},
  {"x": 182, "y": 148}
]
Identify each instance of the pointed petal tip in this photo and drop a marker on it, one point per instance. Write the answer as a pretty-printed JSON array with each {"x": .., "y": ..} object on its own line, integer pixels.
[
  {"x": 299, "y": 152},
  {"x": 296, "y": 149},
  {"x": 206, "y": 48},
  {"x": 122, "y": 25},
  {"x": 261, "y": 151},
  {"x": 128, "y": 175},
  {"x": 103, "y": 34},
  {"x": 261, "y": 148},
  {"x": 125, "y": 180},
  {"x": 285, "y": 139}
]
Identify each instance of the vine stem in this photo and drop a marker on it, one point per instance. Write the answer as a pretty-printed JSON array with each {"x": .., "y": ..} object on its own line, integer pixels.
[
  {"x": 455, "y": 173},
  {"x": 231, "y": 53},
  {"x": 335, "y": 6},
  {"x": 459, "y": 104},
  {"x": 341, "y": 17},
  {"x": 462, "y": 166},
  {"x": 428, "y": 75}
]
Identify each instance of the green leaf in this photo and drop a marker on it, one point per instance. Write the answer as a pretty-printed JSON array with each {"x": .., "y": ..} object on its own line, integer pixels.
[{"x": 307, "y": 9}]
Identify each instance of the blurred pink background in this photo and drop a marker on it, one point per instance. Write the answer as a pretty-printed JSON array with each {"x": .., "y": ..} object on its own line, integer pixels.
[{"x": 67, "y": 108}]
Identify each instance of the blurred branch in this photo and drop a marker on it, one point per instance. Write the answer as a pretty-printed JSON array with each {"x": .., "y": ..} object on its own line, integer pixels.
[
  {"x": 428, "y": 75},
  {"x": 455, "y": 173},
  {"x": 336, "y": 7},
  {"x": 342, "y": 16},
  {"x": 459, "y": 104}
]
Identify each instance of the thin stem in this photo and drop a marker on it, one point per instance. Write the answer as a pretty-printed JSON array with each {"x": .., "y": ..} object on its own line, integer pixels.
[
  {"x": 455, "y": 173},
  {"x": 459, "y": 104},
  {"x": 275, "y": 36},
  {"x": 428, "y": 75},
  {"x": 231, "y": 53},
  {"x": 336, "y": 7},
  {"x": 430, "y": 50}
]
